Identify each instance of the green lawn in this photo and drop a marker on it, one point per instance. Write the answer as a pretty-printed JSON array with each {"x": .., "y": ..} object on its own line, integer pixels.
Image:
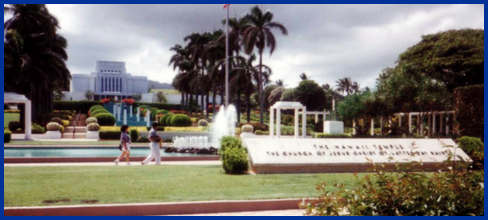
[
  {"x": 8, "y": 117},
  {"x": 30, "y": 186}
]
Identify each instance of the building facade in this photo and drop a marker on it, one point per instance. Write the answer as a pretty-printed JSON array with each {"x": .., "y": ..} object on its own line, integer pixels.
[{"x": 109, "y": 80}]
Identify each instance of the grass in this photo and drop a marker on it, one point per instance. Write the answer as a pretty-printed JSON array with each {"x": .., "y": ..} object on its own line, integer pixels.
[
  {"x": 8, "y": 117},
  {"x": 167, "y": 91},
  {"x": 30, "y": 186}
]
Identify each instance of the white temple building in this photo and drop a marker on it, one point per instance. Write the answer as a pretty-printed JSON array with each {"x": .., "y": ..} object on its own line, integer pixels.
[{"x": 109, "y": 80}]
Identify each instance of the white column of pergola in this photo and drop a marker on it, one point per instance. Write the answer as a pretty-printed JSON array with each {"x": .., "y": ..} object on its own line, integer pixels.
[
  {"x": 278, "y": 106},
  {"x": 431, "y": 118},
  {"x": 14, "y": 98}
]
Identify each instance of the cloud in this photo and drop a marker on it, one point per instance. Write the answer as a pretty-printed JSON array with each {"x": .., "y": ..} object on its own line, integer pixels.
[{"x": 327, "y": 42}]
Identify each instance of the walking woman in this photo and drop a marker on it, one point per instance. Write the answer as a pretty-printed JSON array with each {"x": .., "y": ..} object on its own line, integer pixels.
[{"x": 125, "y": 144}]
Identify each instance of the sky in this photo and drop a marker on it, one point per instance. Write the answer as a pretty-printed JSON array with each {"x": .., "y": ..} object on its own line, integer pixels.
[{"x": 327, "y": 42}]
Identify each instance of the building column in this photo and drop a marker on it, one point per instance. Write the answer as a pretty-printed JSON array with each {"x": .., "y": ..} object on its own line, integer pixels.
[
  {"x": 131, "y": 111},
  {"x": 119, "y": 113},
  {"x": 138, "y": 113},
  {"x": 278, "y": 122},
  {"x": 271, "y": 122},
  {"x": 297, "y": 123},
  {"x": 125, "y": 116},
  {"x": 28, "y": 120},
  {"x": 433, "y": 124},
  {"x": 372, "y": 126},
  {"x": 304, "y": 123},
  {"x": 316, "y": 118},
  {"x": 148, "y": 121}
]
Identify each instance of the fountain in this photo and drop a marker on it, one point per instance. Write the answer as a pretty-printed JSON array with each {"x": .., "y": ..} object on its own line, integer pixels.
[{"x": 224, "y": 125}]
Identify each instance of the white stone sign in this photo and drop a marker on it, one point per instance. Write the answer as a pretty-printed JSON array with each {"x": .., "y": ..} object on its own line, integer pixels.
[{"x": 289, "y": 155}]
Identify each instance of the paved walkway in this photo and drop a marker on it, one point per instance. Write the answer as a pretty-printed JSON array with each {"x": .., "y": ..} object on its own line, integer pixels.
[
  {"x": 170, "y": 163},
  {"x": 292, "y": 212}
]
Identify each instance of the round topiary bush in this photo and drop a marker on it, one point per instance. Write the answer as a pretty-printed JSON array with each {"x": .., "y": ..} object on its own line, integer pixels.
[
  {"x": 93, "y": 126},
  {"x": 163, "y": 119},
  {"x": 7, "y": 136},
  {"x": 134, "y": 135},
  {"x": 37, "y": 129},
  {"x": 95, "y": 107},
  {"x": 180, "y": 120},
  {"x": 247, "y": 129},
  {"x": 53, "y": 126},
  {"x": 98, "y": 111},
  {"x": 105, "y": 119},
  {"x": 65, "y": 123},
  {"x": 203, "y": 123},
  {"x": 57, "y": 120},
  {"x": 14, "y": 126},
  {"x": 91, "y": 120}
]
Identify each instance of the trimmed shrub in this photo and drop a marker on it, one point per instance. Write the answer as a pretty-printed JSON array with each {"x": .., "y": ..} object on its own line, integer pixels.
[
  {"x": 168, "y": 120},
  {"x": 134, "y": 135},
  {"x": 203, "y": 123},
  {"x": 247, "y": 129},
  {"x": 95, "y": 107},
  {"x": 475, "y": 148},
  {"x": 162, "y": 120},
  {"x": 93, "y": 127},
  {"x": 14, "y": 125},
  {"x": 65, "y": 123},
  {"x": 180, "y": 120},
  {"x": 194, "y": 120},
  {"x": 256, "y": 126},
  {"x": 233, "y": 155},
  {"x": 161, "y": 106},
  {"x": 91, "y": 120},
  {"x": 37, "y": 129},
  {"x": 322, "y": 135},
  {"x": 95, "y": 112},
  {"x": 53, "y": 126},
  {"x": 7, "y": 136},
  {"x": 57, "y": 120},
  {"x": 79, "y": 106},
  {"x": 109, "y": 135},
  {"x": 469, "y": 106},
  {"x": 61, "y": 129},
  {"x": 5, "y": 107},
  {"x": 105, "y": 119},
  {"x": 259, "y": 132}
]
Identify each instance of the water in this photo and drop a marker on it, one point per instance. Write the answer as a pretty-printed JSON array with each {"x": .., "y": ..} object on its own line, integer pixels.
[
  {"x": 196, "y": 142},
  {"x": 82, "y": 152}
]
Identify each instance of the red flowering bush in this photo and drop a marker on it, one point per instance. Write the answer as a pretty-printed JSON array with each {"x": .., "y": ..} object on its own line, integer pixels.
[
  {"x": 128, "y": 101},
  {"x": 107, "y": 100}
]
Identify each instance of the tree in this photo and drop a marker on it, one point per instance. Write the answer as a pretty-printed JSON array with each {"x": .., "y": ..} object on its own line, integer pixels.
[
  {"x": 89, "y": 95},
  {"x": 454, "y": 57},
  {"x": 280, "y": 82},
  {"x": 303, "y": 76},
  {"x": 34, "y": 56},
  {"x": 161, "y": 97},
  {"x": 288, "y": 95},
  {"x": 259, "y": 35},
  {"x": 344, "y": 85},
  {"x": 137, "y": 97},
  {"x": 275, "y": 95},
  {"x": 310, "y": 94}
]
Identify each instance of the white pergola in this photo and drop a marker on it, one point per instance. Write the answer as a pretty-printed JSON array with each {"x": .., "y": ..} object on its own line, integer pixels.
[
  {"x": 14, "y": 98},
  {"x": 324, "y": 113},
  {"x": 431, "y": 117},
  {"x": 299, "y": 109}
]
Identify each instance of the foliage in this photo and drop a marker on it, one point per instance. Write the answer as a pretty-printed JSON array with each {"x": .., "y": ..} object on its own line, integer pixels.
[
  {"x": 247, "y": 129},
  {"x": 134, "y": 135},
  {"x": 7, "y": 136},
  {"x": 180, "y": 120},
  {"x": 475, "y": 148},
  {"x": 165, "y": 118},
  {"x": 14, "y": 125},
  {"x": 275, "y": 95},
  {"x": 65, "y": 123},
  {"x": 194, "y": 120},
  {"x": 57, "y": 120},
  {"x": 311, "y": 95},
  {"x": 117, "y": 128},
  {"x": 93, "y": 126},
  {"x": 105, "y": 119},
  {"x": 94, "y": 107},
  {"x": 104, "y": 101},
  {"x": 89, "y": 95},
  {"x": 95, "y": 112},
  {"x": 53, "y": 126},
  {"x": 288, "y": 95},
  {"x": 322, "y": 135},
  {"x": 161, "y": 97},
  {"x": 454, "y": 57},
  {"x": 137, "y": 97},
  {"x": 79, "y": 106},
  {"x": 404, "y": 193},
  {"x": 259, "y": 132},
  {"x": 203, "y": 123},
  {"x": 233, "y": 155},
  {"x": 256, "y": 126},
  {"x": 128, "y": 101},
  {"x": 161, "y": 106},
  {"x": 185, "y": 129},
  {"x": 5, "y": 107},
  {"x": 91, "y": 120},
  {"x": 37, "y": 129},
  {"x": 11, "y": 111},
  {"x": 109, "y": 135},
  {"x": 469, "y": 106}
]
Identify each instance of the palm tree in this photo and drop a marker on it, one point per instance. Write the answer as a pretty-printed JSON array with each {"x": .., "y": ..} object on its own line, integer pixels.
[
  {"x": 34, "y": 56},
  {"x": 344, "y": 85},
  {"x": 355, "y": 87},
  {"x": 303, "y": 76},
  {"x": 259, "y": 35},
  {"x": 280, "y": 82}
]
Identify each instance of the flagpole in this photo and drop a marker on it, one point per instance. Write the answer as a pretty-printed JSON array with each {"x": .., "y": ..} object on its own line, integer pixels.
[{"x": 227, "y": 59}]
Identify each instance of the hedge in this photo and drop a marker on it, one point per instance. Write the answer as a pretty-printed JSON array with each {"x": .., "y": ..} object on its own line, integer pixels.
[
  {"x": 134, "y": 135},
  {"x": 469, "y": 106},
  {"x": 79, "y": 106},
  {"x": 322, "y": 135},
  {"x": 37, "y": 129},
  {"x": 7, "y": 136},
  {"x": 14, "y": 125},
  {"x": 105, "y": 119},
  {"x": 109, "y": 135},
  {"x": 161, "y": 106},
  {"x": 475, "y": 148},
  {"x": 180, "y": 120},
  {"x": 164, "y": 119}
]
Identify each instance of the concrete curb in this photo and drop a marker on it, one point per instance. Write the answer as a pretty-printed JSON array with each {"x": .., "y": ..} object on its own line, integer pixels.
[
  {"x": 180, "y": 208},
  {"x": 100, "y": 159}
]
